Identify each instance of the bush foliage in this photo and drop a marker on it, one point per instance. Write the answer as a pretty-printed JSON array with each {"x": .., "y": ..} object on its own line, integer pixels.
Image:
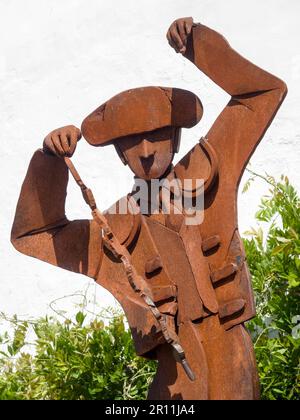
[
  {"x": 274, "y": 263},
  {"x": 85, "y": 360},
  {"x": 73, "y": 361}
]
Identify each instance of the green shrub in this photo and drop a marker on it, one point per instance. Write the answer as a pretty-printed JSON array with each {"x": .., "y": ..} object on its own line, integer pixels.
[
  {"x": 274, "y": 262},
  {"x": 84, "y": 360},
  {"x": 73, "y": 361}
]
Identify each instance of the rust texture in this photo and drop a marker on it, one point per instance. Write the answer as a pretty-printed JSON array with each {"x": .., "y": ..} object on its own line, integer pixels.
[{"x": 185, "y": 289}]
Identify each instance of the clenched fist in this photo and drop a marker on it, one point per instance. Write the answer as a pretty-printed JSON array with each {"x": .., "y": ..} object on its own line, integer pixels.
[
  {"x": 62, "y": 141},
  {"x": 178, "y": 33}
]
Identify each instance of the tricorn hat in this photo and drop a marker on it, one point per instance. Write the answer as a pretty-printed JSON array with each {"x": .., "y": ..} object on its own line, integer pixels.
[{"x": 141, "y": 110}]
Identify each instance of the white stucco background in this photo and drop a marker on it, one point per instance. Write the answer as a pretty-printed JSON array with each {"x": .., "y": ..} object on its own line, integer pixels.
[{"x": 60, "y": 59}]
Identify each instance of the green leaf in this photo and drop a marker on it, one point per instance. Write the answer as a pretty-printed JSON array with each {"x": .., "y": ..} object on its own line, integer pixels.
[{"x": 80, "y": 317}]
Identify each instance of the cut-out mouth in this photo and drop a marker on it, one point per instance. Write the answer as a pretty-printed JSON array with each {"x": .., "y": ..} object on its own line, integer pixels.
[{"x": 147, "y": 163}]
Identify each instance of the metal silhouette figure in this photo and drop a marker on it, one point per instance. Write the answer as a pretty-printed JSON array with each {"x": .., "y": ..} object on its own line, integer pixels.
[{"x": 185, "y": 288}]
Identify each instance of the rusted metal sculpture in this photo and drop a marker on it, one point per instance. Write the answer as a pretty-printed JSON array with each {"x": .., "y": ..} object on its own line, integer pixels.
[{"x": 185, "y": 288}]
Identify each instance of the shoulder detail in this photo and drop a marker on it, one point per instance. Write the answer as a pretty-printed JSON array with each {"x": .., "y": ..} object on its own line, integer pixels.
[
  {"x": 124, "y": 219},
  {"x": 200, "y": 163}
]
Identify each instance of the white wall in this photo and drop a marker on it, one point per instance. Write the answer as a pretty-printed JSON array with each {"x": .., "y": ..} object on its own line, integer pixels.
[{"x": 61, "y": 59}]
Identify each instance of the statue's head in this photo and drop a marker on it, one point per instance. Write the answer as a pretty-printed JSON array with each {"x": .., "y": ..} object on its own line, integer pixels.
[{"x": 144, "y": 125}]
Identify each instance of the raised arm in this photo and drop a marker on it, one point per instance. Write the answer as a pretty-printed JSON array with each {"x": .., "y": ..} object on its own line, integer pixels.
[
  {"x": 41, "y": 228},
  {"x": 255, "y": 94}
]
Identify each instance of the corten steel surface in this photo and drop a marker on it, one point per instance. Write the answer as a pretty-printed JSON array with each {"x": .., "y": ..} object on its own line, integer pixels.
[{"x": 196, "y": 276}]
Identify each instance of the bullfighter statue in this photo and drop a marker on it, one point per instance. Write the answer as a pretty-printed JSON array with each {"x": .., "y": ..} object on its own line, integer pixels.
[{"x": 184, "y": 287}]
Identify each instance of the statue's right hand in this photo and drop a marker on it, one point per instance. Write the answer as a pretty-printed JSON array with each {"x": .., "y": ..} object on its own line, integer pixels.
[
  {"x": 179, "y": 33},
  {"x": 62, "y": 141}
]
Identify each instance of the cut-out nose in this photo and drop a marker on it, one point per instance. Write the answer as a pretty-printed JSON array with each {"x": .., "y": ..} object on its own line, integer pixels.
[
  {"x": 146, "y": 155},
  {"x": 146, "y": 151}
]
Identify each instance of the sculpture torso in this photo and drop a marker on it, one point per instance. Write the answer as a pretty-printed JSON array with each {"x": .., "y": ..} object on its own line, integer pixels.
[{"x": 197, "y": 270}]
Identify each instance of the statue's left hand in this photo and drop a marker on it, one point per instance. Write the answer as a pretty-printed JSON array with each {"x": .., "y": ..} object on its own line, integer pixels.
[{"x": 178, "y": 33}]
